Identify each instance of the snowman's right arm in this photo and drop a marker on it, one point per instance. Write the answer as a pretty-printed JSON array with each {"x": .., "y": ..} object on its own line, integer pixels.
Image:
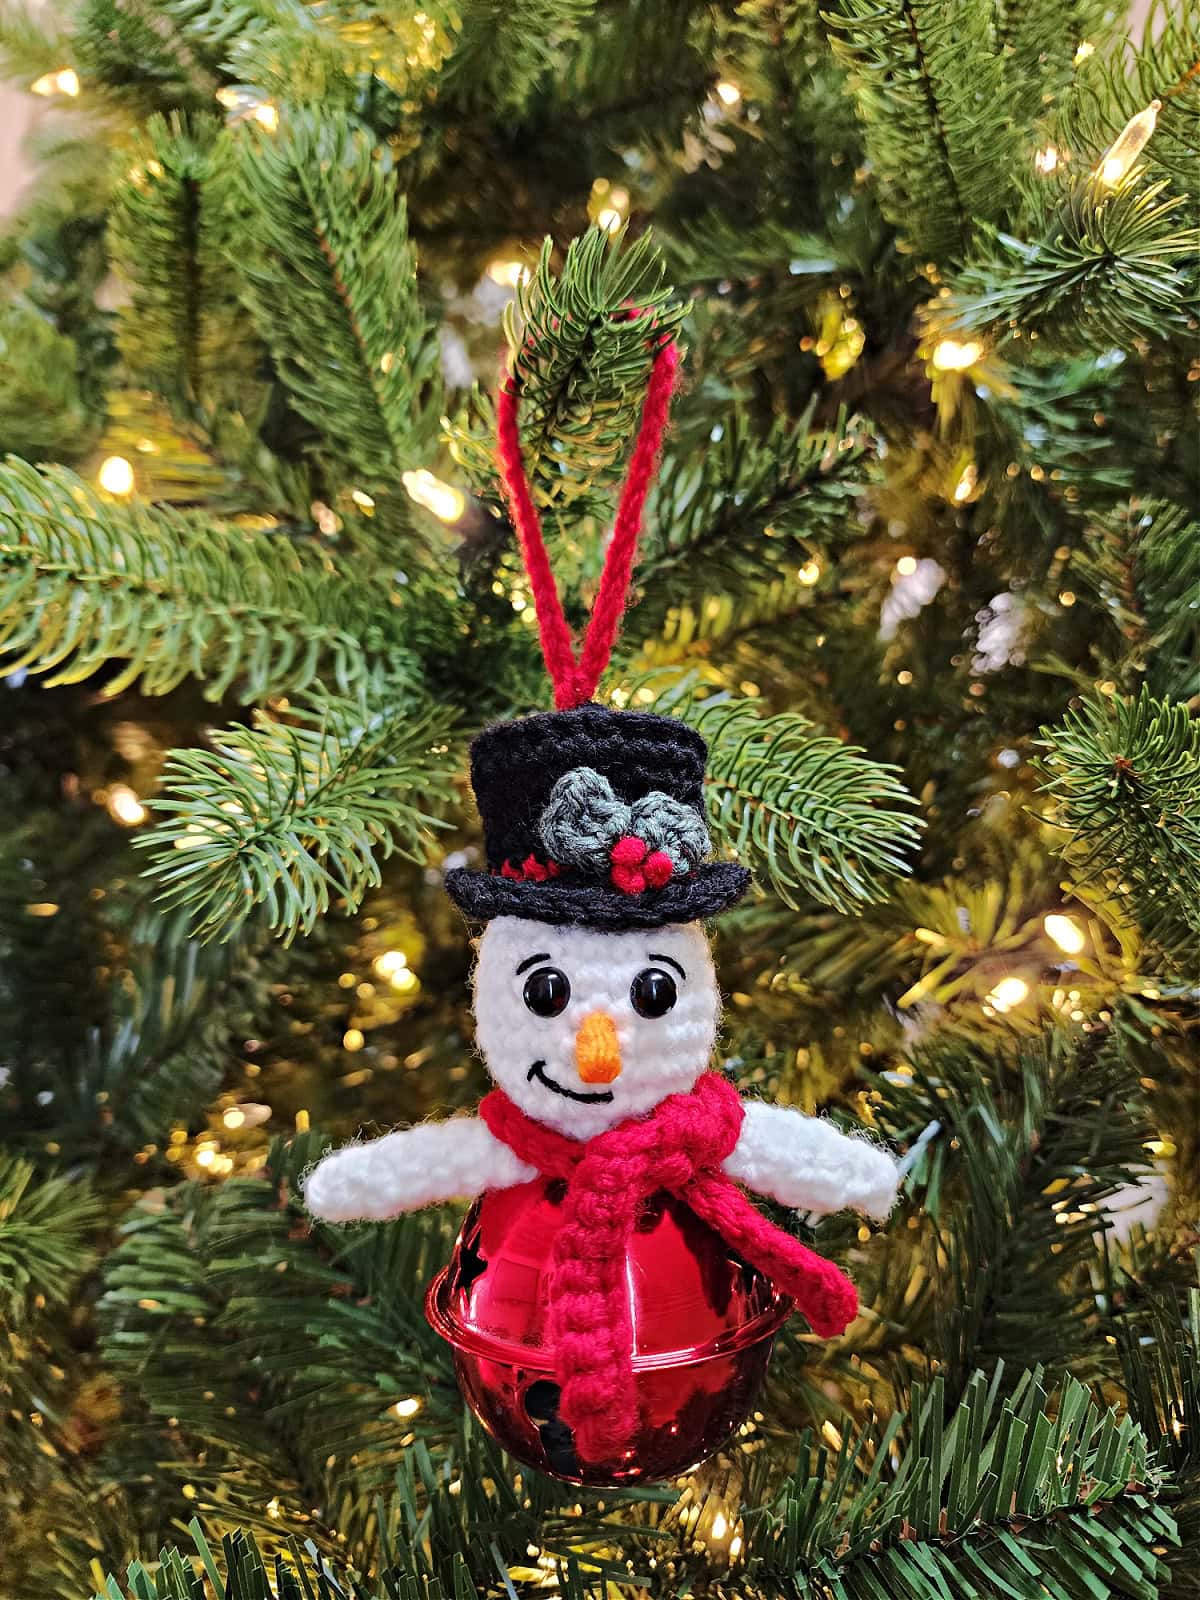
[{"x": 407, "y": 1170}]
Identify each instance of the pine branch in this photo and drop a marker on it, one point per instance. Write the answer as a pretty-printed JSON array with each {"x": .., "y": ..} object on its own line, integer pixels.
[
  {"x": 46, "y": 1246},
  {"x": 582, "y": 361},
  {"x": 240, "y": 1570},
  {"x": 1037, "y": 39},
  {"x": 331, "y": 282},
  {"x": 1032, "y": 1148},
  {"x": 41, "y": 408},
  {"x": 1103, "y": 269},
  {"x": 929, "y": 84},
  {"x": 289, "y": 816},
  {"x": 86, "y": 584},
  {"x": 1167, "y": 578},
  {"x": 1138, "y": 565},
  {"x": 163, "y": 1050},
  {"x": 124, "y": 49},
  {"x": 816, "y": 817},
  {"x": 1123, "y": 778},
  {"x": 505, "y": 46},
  {"x": 1053, "y": 1497},
  {"x": 182, "y": 331},
  {"x": 1117, "y": 85},
  {"x": 747, "y": 509},
  {"x": 277, "y": 1351},
  {"x": 44, "y": 1228}
]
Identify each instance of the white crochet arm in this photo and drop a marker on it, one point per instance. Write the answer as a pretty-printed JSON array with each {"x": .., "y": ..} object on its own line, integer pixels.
[
  {"x": 807, "y": 1163},
  {"x": 407, "y": 1170}
]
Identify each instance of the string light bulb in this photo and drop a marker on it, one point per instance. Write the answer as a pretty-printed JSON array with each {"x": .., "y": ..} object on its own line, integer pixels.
[
  {"x": 906, "y": 566},
  {"x": 124, "y": 806},
  {"x": 508, "y": 274},
  {"x": 1084, "y": 50},
  {"x": 64, "y": 81},
  {"x": 116, "y": 476},
  {"x": 1046, "y": 161},
  {"x": 728, "y": 93},
  {"x": 1066, "y": 933},
  {"x": 267, "y": 115},
  {"x": 1128, "y": 145},
  {"x": 446, "y": 502},
  {"x": 1009, "y": 992},
  {"x": 809, "y": 573},
  {"x": 953, "y": 355}
]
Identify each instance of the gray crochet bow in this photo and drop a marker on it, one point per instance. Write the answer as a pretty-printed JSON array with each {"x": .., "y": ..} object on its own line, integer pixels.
[{"x": 584, "y": 819}]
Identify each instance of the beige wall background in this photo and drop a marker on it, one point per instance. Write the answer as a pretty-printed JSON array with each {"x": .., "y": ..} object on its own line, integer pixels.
[{"x": 18, "y": 110}]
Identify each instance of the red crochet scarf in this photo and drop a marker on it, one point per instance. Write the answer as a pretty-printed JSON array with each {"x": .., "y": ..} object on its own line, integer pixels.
[{"x": 679, "y": 1146}]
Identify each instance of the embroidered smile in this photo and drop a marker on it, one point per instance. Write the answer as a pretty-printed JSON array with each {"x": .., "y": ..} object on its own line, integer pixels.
[{"x": 538, "y": 1071}]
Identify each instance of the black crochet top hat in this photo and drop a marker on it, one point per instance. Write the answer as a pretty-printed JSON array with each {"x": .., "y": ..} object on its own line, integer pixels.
[{"x": 593, "y": 816}]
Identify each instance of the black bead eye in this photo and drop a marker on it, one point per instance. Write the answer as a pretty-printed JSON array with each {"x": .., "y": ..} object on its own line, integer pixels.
[
  {"x": 547, "y": 991},
  {"x": 653, "y": 993}
]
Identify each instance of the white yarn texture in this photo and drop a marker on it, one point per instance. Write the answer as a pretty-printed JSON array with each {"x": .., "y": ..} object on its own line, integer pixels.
[
  {"x": 659, "y": 1055},
  {"x": 800, "y": 1161},
  {"x": 809, "y": 1164},
  {"x": 410, "y": 1169}
]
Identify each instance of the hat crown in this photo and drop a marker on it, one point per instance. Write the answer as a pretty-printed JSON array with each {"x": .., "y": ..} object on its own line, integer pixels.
[{"x": 515, "y": 765}]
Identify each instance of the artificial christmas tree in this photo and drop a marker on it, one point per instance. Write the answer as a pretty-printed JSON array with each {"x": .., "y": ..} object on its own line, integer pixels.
[{"x": 921, "y": 567}]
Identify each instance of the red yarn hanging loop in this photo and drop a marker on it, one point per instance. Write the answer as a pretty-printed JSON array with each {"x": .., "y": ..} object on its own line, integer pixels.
[{"x": 575, "y": 678}]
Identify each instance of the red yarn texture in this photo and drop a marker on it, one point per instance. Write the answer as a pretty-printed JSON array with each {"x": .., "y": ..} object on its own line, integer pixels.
[
  {"x": 679, "y": 1147},
  {"x": 575, "y": 680}
]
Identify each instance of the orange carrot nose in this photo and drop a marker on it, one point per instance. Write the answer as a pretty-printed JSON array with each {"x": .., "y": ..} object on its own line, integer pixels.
[{"x": 597, "y": 1052}]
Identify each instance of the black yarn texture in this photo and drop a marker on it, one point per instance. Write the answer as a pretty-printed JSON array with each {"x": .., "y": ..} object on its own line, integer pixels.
[{"x": 514, "y": 766}]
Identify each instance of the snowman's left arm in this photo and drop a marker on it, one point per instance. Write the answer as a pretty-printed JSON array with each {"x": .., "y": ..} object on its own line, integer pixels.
[{"x": 807, "y": 1163}]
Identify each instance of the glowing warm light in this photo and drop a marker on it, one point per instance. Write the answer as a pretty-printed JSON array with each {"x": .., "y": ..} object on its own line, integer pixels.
[
  {"x": 728, "y": 93},
  {"x": 446, "y": 502},
  {"x": 906, "y": 566},
  {"x": 116, "y": 475},
  {"x": 205, "y": 1156},
  {"x": 1128, "y": 145},
  {"x": 234, "y": 1118},
  {"x": 1066, "y": 933},
  {"x": 953, "y": 355},
  {"x": 273, "y": 1507},
  {"x": 610, "y": 219},
  {"x": 720, "y": 1526},
  {"x": 407, "y": 1408},
  {"x": 809, "y": 573},
  {"x": 508, "y": 274},
  {"x": 363, "y": 499},
  {"x": 267, "y": 115},
  {"x": 1086, "y": 49},
  {"x": 965, "y": 487},
  {"x": 1046, "y": 161},
  {"x": 390, "y": 963},
  {"x": 64, "y": 81},
  {"x": 124, "y": 806},
  {"x": 1009, "y": 992},
  {"x": 353, "y": 1039}
]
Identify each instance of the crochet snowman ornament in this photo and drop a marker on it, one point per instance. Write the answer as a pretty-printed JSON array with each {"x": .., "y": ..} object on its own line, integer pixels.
[{"x": 597, "y": 1009}]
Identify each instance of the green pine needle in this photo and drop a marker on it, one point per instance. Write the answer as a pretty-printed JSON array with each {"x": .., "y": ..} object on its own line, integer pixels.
[
  {"x": 288, "y": 816},
  {"x": 816, "y": 818},
  {"x": 1123, "y": 778},
  {"x": 582, "y": 362},
  {"x": 331, "y": 281},
  {"x": 86, "y": 584}
]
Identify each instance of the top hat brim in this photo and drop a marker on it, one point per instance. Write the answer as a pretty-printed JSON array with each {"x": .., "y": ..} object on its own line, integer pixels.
[{"x": 480, "y": 896}]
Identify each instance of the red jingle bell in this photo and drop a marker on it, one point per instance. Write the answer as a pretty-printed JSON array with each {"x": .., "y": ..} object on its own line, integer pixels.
[{"x": 704, "y": 1321}]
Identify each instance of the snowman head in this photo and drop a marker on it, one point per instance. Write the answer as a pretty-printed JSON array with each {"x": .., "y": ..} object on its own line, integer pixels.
[{"x": 583, "y": 1028}]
